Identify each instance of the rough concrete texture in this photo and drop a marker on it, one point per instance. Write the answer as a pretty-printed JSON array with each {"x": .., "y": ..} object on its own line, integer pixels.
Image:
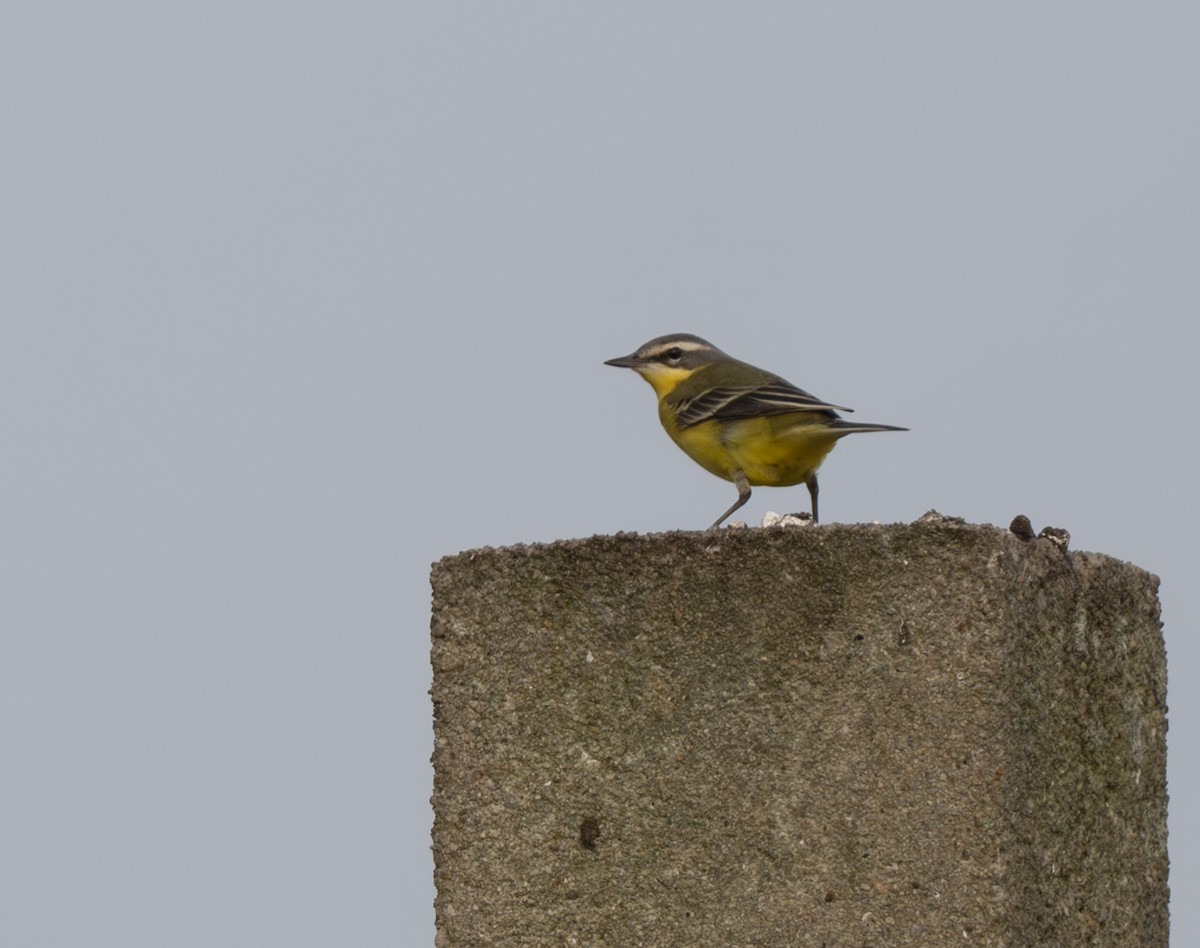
[{"x": 927, "y": 734}]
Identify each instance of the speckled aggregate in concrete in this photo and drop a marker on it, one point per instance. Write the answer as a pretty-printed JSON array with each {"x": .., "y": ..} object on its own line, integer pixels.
[{"x": 925, "y": 734}]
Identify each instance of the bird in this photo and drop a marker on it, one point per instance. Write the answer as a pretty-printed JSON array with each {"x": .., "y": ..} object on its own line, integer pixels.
[{"x": 737, "y": 421}]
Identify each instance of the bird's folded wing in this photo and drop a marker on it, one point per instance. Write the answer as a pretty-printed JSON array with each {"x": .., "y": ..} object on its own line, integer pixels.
[{"x": 731, "y": 403}]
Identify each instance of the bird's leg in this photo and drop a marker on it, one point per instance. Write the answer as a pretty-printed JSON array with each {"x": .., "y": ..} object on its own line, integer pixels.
[
  {"x": 743, "y": 486},
  {"x": 812, "y": 492}
]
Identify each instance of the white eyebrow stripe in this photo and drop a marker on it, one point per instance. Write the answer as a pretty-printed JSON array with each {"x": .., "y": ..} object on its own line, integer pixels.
[{"x": 683, "y": 346}]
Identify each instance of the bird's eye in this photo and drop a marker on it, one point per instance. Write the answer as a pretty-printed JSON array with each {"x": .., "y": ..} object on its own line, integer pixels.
[{"x": 674, "y": 354}]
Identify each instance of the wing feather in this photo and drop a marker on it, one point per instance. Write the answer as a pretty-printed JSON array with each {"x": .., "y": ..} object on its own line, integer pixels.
[{"x": 728, "y": 403}]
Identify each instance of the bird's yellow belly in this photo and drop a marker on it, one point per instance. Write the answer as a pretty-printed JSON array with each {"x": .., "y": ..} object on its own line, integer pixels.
[{"x": 773, "y": 451}]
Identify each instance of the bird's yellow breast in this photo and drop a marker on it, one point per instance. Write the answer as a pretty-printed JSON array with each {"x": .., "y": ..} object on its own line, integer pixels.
[{"x": 771, "y": 450}]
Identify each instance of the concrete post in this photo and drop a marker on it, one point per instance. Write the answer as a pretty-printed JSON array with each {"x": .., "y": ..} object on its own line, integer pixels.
[{"x": 926, "y": 734}]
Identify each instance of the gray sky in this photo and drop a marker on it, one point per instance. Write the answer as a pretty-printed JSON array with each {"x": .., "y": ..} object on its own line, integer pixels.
[{"x": 300, "y": 297}]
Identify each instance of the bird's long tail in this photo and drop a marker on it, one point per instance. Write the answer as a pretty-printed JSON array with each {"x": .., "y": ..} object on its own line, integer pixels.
[{"x": 842, "y": 427}]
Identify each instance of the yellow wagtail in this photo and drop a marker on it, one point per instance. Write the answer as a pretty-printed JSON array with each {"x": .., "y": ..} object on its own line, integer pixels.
[{"x": 737, "y": 421}]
